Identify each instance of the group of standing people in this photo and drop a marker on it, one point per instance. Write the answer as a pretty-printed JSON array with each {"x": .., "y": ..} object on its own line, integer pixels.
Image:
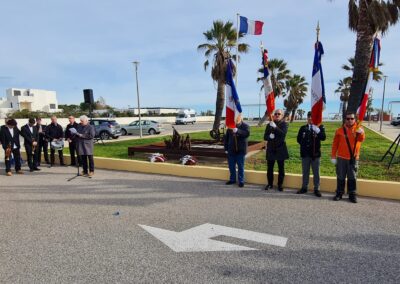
[
  {"x": 38, "y": 137},
  {"x": 344, "y": 155}
]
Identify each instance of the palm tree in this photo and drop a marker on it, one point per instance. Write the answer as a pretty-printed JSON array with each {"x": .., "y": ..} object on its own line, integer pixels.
[
  {"x": 300, "y": 113},
  {"x": 344, "y": 90},
  {"x": 366, "y": 18},
  {"x": 296, "y": 88},
  {"x": 221, "y": 39},
  {"x": 377, "y": 75}
]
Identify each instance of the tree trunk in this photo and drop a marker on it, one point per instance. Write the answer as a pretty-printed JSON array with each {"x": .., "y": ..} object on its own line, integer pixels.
[
  {"x": 362, "y": 57},
  {"x": 344, "y": 110},
  {"x": 293, "y": 114},
  {"x": 219, "y": 105}
]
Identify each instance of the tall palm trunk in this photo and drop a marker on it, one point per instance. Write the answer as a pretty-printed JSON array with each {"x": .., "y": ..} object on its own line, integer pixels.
[
  {"x": 219, "y": 105},
  {"x": 362, "y": 56},
  {"x": 293, "y": 114},
  {"x": 344, "y": 109}
]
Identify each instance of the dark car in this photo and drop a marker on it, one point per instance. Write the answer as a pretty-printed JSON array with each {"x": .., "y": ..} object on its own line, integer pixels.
[{"x": 106, "y": 129}]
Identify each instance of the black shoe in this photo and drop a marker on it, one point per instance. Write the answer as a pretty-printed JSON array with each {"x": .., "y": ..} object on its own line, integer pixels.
[
  {"x": 241, "y": 184},
  {"x": 317, "y": 193},
  {"x": 280, "y": 188},
  {"x": 31, "y": 170},
  {"x": 63, "y": 165},
  {"x": 302, "y": 191},
  {"x": 352, "y": 198},
  {"x": 337, "y": 197},
  {"x": 229, "y": 182},
  {"x": 267, "y": 187},
  {"x": 73, "y": 165},
  {"x": 36, "y": 169}
]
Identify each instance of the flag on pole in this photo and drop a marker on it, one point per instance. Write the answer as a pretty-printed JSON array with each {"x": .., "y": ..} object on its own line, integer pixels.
[
  {"x": 247, "y": 26},
  {"x": 269, "y": 91},
  {"x": 233, "y": 107},
  {"x": 373, "y": 66},
  {"x": 317, "y": 86}
]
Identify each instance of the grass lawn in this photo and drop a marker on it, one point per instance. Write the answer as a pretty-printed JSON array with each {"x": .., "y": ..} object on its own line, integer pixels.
[{"x": 372, "y": 151}]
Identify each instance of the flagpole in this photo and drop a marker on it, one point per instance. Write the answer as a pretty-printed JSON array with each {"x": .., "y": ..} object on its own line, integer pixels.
[{"x": 237, "y": 48}]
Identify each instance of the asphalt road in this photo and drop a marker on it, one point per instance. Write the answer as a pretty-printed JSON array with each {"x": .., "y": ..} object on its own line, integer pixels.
[{"x": 54, "y": 231}]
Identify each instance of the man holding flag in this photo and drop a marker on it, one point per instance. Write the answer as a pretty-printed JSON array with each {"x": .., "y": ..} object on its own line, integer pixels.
[{"x": 235, "y": 139}]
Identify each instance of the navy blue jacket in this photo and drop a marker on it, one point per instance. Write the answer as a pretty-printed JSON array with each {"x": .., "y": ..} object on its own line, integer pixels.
[
  {"x": 239, "y": 147},
  {"x": 310, "y": 142}
]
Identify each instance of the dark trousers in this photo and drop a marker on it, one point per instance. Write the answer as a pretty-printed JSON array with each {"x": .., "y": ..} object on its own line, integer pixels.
[
  {"x": 43, "y": 144},
  {"x": 73, "y": 153},
  {"x": 31, "y": 157},
  {"x": 60, "y": 156},
  {"x": 345, "y": 169},
  {"x": 85, "y": 159},
  {"x": 306, "y": 163},
  {"x": 270, "y": 172},
  {"x": 234, "y": 160},
  {"x": 17, "y": 161}
]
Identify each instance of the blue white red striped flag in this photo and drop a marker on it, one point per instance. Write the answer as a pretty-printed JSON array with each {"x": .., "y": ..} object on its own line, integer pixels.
[
  {"x": 269, "y": 91},
  {"x": 233, "y": 107},
  {"x": 317, "y": 86},
  {"x": 247, "y": 26}
]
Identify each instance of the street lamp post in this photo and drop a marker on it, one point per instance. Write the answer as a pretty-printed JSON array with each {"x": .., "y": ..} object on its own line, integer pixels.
[
  {"x": 136, "y": 63},
  {"x": 383, "y": 101}
]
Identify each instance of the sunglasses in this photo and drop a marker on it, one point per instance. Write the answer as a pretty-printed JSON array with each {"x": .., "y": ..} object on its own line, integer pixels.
[
  {"x": 350, "y": 118},
  {"x": 277, "y": 114}
]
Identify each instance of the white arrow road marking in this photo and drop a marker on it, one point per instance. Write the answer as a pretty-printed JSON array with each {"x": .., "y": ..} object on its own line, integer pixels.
[{"x": 199, "y": 238}]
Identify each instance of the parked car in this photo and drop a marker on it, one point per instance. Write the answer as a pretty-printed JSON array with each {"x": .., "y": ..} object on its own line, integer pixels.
[
  {"x": 106, "y": 128},
  {"x": 148, "y": 126},
  {"x": 186, "y": 116},
  {"x": 395, "y": 121}
]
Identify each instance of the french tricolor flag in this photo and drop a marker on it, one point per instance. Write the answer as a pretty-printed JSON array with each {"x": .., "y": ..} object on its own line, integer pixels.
[
  {"x": 233, "y": 107},
  {"x": 317, "y": 86},
  {"x": 269, "y": 91},
  {"x": 247, "y": 26}
]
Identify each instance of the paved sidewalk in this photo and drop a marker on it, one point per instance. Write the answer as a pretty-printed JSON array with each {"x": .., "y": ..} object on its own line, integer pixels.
[{"x": 388, "y": 130}]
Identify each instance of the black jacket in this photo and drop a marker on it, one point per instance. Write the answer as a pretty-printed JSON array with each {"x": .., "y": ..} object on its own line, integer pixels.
[
  {"x": 68, "y": 134},
  {"x": 276, "y": 148},
  {"x": 28, "y": 135},
  {"x": 310, "y": 142},
  {"x": 42, "y": 136},
  {"x": 54, "y": 131},
  {"x": 6, "y": 138},
  {"x": 239, "y": 147}
]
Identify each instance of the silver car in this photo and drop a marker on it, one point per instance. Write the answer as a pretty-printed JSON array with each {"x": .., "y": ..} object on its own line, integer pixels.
[{"x": 148, "y": 126}]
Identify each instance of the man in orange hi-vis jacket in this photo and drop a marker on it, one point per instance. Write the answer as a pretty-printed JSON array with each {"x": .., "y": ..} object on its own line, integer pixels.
[{"x": 345, "y": 154}]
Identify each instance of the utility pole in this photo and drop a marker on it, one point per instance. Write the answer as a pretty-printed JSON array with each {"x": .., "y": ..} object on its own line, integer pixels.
[
  {"x": 383, "y": 101},
  {"x": 136, "y": 63}
]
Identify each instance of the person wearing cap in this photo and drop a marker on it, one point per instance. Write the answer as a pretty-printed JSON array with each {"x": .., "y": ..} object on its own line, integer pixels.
[
  {"x": 275, "y": 135},
  {"x": 309, "y": 138},
  {"x": 235, "y": 145},
  {"x": 10, "y": 138},
  {"x": 345, "y": 155},
  {"x": 31, "y": 138}
]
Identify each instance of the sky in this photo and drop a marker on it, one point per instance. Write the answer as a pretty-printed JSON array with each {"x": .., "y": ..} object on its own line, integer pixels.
[{"x": 71, "y": 45}]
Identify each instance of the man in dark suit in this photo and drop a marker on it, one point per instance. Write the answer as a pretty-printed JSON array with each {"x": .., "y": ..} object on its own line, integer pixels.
[
  {"x": 43, "y": 144},
  {"x": 275, "y": 135},
  {"x": 31, "y": 137},
  {"x": 309, "y": 138},
  {"x": 54, "y": 132},
  {"x": 10, "y": 141},
  {"x": 235, "y": 145},
  {"x": 71, "y": 142}
]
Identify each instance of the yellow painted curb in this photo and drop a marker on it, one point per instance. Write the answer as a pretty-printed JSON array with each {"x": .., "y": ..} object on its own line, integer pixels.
[{"x": 369, "y": 188}]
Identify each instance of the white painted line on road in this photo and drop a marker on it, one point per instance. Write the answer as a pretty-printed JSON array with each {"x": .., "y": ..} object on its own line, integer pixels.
[{"x": 198, "y": 239}]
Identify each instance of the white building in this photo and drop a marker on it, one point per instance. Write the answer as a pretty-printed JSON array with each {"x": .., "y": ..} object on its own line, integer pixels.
[{"x": 30, "y": 99}]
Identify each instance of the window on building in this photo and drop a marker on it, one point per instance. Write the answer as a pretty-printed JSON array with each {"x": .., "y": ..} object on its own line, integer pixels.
[
  {"x": 17, "y": 93},
  {"x": 52, "y": 106},
  {"x": 11, "y": 105}
]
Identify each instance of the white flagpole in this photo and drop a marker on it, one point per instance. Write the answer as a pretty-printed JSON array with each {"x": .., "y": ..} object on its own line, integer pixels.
[{"x": 237, "y": 48}]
